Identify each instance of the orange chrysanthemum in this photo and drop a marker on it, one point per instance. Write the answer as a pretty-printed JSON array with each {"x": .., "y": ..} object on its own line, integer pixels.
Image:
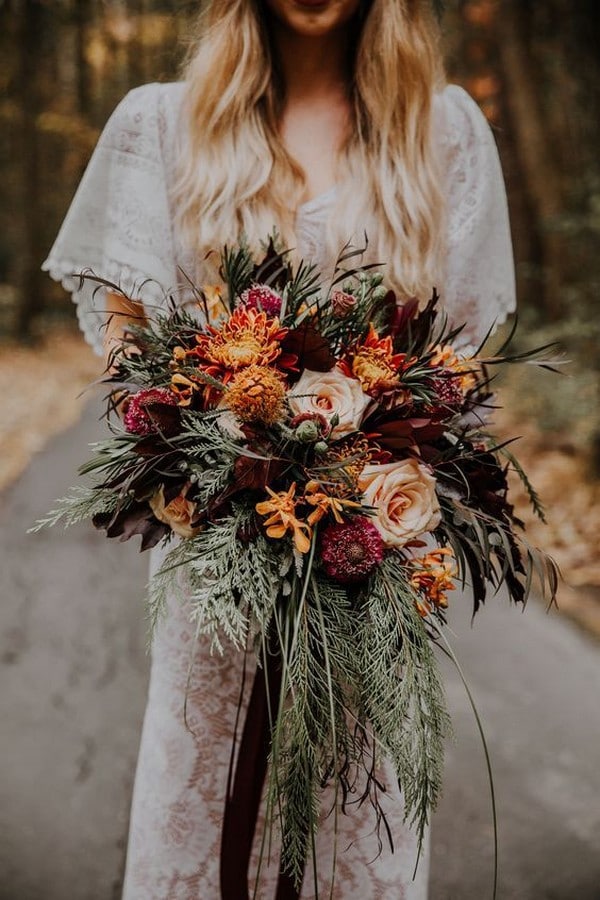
[
  {"x": 432, "y": 577},
  {"x": 445, "y": 356},
  {"x": 256, "y": 394},
  {"x": 324, "y": 503},
  {"x": 248, "y": 338},
  {"x": 375, "y": 364},
  {"x": 281, "y": 512}
]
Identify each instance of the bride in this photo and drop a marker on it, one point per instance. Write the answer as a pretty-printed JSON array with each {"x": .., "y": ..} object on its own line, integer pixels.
[{"x": 326, "y": 119}]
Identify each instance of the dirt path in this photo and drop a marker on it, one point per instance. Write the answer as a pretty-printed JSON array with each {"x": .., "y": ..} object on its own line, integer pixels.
[{"x": 39, "y": 395}]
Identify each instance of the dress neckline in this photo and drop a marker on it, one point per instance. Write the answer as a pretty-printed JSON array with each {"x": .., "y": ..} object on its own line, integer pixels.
[{"x": 318, "y": 202}]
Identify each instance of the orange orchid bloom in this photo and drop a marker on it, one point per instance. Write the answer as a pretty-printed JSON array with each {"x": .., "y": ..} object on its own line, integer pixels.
[
  {"x": 445, "y": 356},
  {"x": 281, "y": 512},
  {"x": 432, "y": 576},
  {"x": 316, "y": 495},
  {"x": 183, "y": 387}
]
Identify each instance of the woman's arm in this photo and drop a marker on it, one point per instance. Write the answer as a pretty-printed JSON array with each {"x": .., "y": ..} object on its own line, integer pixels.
[
  {"x": 479, "y": 288},
  {"x": 118, "y": 226}
]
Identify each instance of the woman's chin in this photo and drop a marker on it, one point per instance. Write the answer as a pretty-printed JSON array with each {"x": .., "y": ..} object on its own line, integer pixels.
[{"x": 313, "y": 18}]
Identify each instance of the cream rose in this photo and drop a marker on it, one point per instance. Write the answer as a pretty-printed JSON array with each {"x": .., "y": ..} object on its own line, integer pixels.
[
  {"x": 403, "y": 495},
  {"x": 178, "y": 514},
  {"x": 329, "y": 394}
]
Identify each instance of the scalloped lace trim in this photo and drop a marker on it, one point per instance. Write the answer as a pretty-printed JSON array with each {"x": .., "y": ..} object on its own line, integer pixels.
[{"x": 88, "y": 296}]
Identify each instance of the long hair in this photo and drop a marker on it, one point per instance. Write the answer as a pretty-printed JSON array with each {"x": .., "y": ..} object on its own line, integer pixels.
[{"x": 235, "y": 176}]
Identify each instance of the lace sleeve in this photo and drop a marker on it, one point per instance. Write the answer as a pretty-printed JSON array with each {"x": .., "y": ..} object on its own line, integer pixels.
[
  {"x": 118, "y": 223},
  {"x": 479, "y": 288}
]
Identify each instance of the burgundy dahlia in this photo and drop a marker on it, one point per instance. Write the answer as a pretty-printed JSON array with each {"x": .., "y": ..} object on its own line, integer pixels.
[
  {"x": 261, "y": 296},
  {"x": 138, "y": 418},
  {"x": 352, "y": 550}
]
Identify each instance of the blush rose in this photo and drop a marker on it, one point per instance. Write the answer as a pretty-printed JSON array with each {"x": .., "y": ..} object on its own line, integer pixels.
[
  {"x": 404, "y": 498},
  {"x": 330, "y": 394}
]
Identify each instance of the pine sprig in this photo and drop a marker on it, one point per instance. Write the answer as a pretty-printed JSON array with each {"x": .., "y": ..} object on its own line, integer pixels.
[
  {"x": 312, "y": 743},
  {"x": 236, "y": 269},
  {"x": 302, "y": 286}
]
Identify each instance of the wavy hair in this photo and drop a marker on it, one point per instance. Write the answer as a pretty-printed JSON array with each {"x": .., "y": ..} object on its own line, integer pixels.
[{"x": 235, "y": 176}]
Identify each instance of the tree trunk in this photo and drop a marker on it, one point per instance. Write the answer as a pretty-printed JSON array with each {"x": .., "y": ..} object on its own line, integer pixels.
[
  {"x": 83, "y": 13},
  {"x": 29, "y": 36},
  {"x": 533, "y": 145}
]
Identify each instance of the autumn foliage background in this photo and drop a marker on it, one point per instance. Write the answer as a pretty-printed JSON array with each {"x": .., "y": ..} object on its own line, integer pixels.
[{"x": 534, "y": 68}]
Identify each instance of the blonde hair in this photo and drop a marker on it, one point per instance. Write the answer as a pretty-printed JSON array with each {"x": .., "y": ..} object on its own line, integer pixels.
[{"x": 236, "y": 177}]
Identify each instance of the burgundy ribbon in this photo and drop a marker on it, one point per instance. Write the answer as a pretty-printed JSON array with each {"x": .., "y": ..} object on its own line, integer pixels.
[{"x": 243, "y": 800}]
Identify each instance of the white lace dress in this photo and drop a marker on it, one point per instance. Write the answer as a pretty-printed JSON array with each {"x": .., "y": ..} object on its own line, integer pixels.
[{"x": 120, "y": 226}]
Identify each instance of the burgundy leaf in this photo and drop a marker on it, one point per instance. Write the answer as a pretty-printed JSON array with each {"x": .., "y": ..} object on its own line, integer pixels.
[
  {"x": 310, "y": 347},
  {"x": 402, "y": 433},
  {"x": 272, "y": 270},
  {"x": 135, "y": 519},
  {"x": 165, "y": 416},
  {"x": 402, "y": 314}
]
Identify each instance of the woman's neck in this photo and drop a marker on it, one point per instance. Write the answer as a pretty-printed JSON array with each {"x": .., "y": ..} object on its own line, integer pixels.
[{"x": 313, "y": 67}]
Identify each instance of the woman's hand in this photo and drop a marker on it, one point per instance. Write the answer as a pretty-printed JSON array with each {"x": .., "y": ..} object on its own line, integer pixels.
[{"x": 123, "y": 312}]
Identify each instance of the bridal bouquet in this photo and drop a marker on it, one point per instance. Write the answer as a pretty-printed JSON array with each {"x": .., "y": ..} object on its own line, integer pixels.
[{"x": 323, "y": 456}]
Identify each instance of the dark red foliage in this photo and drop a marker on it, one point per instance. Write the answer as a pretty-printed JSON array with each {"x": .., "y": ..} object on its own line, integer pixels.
[
  {"x": 153, "y": 445},
  {"x": 312, "y": 350},
  {"x": 255, "y": 474},
  {"x": 401, "y": 434},
  {"x": 138, "y": 518},
  {"x": 273, "y": 269},
  {"x": 249, "y": 474},
  {"x": 401, "y": 315}
]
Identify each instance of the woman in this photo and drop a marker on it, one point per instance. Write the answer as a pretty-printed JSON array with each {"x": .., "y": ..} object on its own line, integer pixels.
[{"x": 325, "y": 119}]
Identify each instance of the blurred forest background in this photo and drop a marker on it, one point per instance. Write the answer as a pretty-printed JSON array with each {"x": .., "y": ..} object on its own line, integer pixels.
[{"x": 533, "y": 66}]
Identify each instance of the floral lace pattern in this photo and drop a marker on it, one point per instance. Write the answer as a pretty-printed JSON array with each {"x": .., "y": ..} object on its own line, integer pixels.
[
  {"x": 181, "y": 780},
  {"x": 119, "y": 225},
  {"x": 479, "y": 287}
]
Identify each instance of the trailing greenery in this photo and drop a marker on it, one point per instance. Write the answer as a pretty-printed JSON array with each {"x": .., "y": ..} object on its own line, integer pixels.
[
  {"x": 402, "y": 691},
  {"x": 80, "y": 505}
]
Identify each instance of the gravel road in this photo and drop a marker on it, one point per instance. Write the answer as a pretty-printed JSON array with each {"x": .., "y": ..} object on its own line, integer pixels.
[{"x": 73, "y": 672}]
